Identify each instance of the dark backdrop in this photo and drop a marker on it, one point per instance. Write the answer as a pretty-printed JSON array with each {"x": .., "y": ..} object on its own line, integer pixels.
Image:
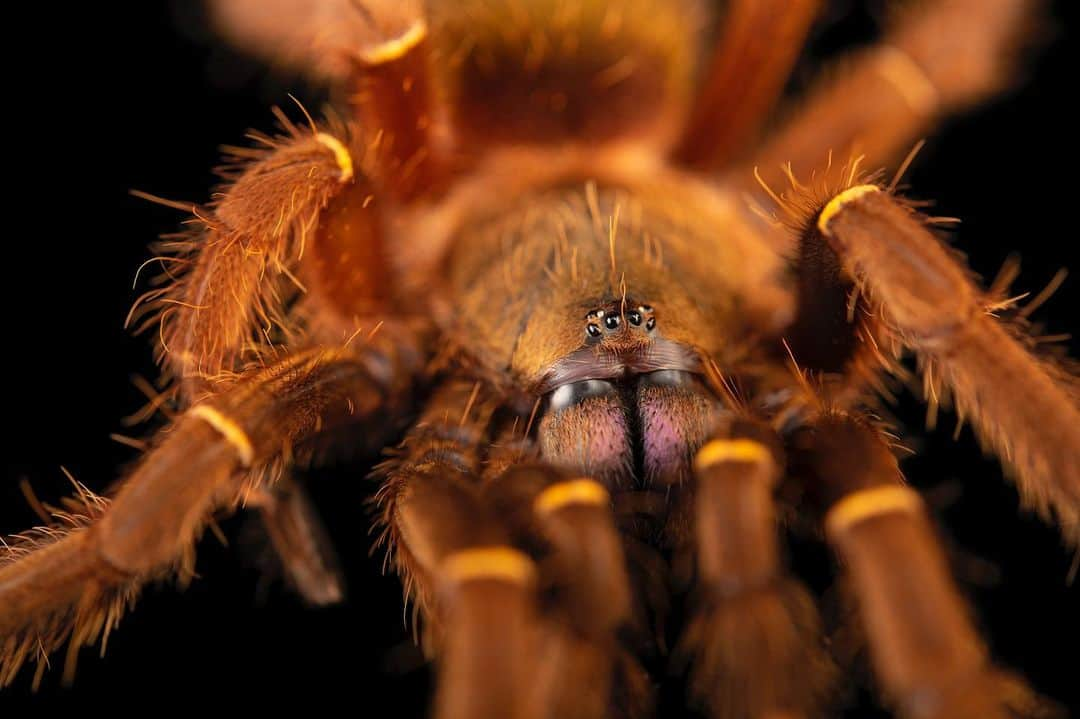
[{"x": 107, "y": 98}]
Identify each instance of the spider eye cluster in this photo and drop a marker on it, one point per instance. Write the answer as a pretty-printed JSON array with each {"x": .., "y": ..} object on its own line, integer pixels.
[{"x": 600, "y": 322}]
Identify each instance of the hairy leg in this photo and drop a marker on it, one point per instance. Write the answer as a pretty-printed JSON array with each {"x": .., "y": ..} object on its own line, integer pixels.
[
  {"x": 586, "y": 670},
  {"x": 475, "y": 546},
  {"x": 226, "y": 282},
  {"x": 755, "y": 639},
  {"x": 926, "y": 653},
  {"x": 393, "y": 94},
  {"x": 458, "y": 561},
  {"x": 58, "y": 585},
  {"x": 938, "y": 58},
  {"x": 1024, "y": 407},
  {"x": 758, "y": 44}
]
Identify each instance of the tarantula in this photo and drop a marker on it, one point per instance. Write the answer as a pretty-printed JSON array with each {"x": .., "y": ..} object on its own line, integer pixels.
[{"x": 530, "y": 236}]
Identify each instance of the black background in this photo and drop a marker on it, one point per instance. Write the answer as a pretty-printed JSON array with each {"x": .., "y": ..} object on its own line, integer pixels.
[{"x": 111, "y": 97}]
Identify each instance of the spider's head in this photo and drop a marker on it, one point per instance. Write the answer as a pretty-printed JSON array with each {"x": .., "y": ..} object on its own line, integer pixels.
[{"x": 606, "y": 304}]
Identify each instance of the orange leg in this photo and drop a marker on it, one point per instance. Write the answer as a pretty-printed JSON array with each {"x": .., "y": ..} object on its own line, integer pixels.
[
  {"x": 755, "y": 640},
  {"x": 1023, "y": 407},
  {"x": 926, "y": 653},
  {"x": 72, "y": 584},
  {"x": 759, "y": 42},
  {"x": 474, "y": 552},
  {"x": 227, "y": 281},
  {"x": 939, "y": 58}
]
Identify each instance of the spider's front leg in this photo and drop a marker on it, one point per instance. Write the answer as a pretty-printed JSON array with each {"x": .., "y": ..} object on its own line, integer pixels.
[
  {"x": 1022, "y": 406},
  {"x": 72, "y": 584}
]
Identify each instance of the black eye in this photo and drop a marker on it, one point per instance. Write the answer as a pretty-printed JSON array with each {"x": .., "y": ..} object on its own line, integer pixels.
[
  {"x": 570, "y": 394},
  {"x": 593, "y": 330},
  {"x": 651, "y": 323},
  {"x": 634, "y": 316},
  {"x": 611, "y": 321}
]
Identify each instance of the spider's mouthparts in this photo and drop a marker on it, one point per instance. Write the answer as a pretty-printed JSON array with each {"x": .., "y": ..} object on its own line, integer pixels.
[
  {"x": 572, "y": 393},
  {"x": 627, "y": 428}
]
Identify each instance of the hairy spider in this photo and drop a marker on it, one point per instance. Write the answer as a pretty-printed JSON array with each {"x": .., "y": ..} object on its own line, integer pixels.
[{"x": 529, "y": 235}]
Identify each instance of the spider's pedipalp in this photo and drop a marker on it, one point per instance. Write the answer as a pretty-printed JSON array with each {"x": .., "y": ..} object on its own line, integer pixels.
[
  {"x": 457, "y": 556},
  {"x": 587, "y": 667},
  {"x": 754, "y": 643},
  {"x": 465, "y": 540}
]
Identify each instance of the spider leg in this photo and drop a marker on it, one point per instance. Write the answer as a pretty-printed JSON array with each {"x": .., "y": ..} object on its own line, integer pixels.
[
  {"x": 758, "y": 44},
  {"x": 321, "y": 38},
  {"x": 464, "y": 541},
  {"x": 755, "y": 638},
  {"x": 938, "y": 58},
  {"x": 584, "y": 665},
  {"x": 1024, "y": 407},
  {"x": 926, "y": 653},
  {"x": 300, "y": 542},
  {"x": 393, "y": 94},
  {"x": 458, "y": 562},
  {"x": 235, "y": 268},
  {"x": 72, "y": 584}
]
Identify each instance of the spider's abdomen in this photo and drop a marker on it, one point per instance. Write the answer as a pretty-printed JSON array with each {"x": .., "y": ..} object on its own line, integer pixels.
[{"x": 552, "y": 71}]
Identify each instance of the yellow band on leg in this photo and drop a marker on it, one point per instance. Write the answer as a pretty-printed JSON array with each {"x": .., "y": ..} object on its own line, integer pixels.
[
  {"x": 867, "y": 503},
  {"x": 498, "y": 562},
  {"x": 397, "y": 47},
  {"x": 574, "y": 491},
  {"x": 837, "y": 203},
  {"x": 341, "y": 154},
  {"x": 731, "y": 450},
  {"x": 230, "y": 430}
]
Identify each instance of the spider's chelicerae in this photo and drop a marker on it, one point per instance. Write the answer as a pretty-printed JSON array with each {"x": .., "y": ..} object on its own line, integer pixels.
[{"x": 534, "y": 232}]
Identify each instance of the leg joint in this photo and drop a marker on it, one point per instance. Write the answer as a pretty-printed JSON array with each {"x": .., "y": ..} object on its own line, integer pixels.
[
  {"x": 230, "y": 430},
  {"x": 581, "y": 491},
  {"x": 498, "y": 562},
  {"x": 871, "y": 502},
  {"x": 838, "y": 203},
  {"x": 732, "y": 450}
]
